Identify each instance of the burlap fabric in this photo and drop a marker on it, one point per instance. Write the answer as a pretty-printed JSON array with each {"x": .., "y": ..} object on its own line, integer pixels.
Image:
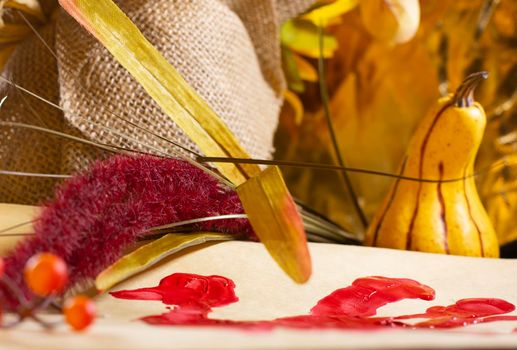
[{"x": 228, "y": 50}]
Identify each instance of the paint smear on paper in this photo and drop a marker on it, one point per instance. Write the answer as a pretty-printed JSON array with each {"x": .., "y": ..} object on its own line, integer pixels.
[{"x": 354, "y": 307}]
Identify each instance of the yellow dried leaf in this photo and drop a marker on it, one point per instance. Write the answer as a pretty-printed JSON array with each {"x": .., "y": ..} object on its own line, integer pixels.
[
  {"x": 303, "y": 37},
  {"x": 12, "y": 33},
  {"x": 499, "y": 195},
  {"x": 296, "y": 104},
  {"x": 105, "y": 20},
  {"x": 276, "y": 221},
  {"x": 291, "y": 72},
  {"x": 375, "y": 96},
  {"x": 326, "y": 15},
  {"x": 14, "y": 29},
  {"x": 152, "y": 253},
  {"x": 393, "y": 21},
  {"x": 30, "y": 7},
  {"x": 305, "y": 69}
]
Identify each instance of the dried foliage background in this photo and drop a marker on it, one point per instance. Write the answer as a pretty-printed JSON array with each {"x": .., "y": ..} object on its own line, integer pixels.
[{"x": 380, "y": 90}]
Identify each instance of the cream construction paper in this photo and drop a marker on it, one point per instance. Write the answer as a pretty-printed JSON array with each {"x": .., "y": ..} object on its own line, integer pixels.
[
  {"x": 266, "y": 293},
  {"x": 12, "y": 215}
]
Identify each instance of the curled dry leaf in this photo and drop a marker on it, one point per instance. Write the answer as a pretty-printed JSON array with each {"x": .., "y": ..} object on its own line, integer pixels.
[
  {"x": 276, "y": 221},
  {"x": 14, "y": 29},
  {"x": 328, "y": 14},
  {"x": 499, "y": 193},
  {"x": 392, "y": 21},
  {"x": 303, "y": 37}
]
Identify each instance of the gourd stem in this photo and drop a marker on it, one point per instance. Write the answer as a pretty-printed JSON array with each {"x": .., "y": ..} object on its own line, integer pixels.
[{"x": 464, "y": 96}]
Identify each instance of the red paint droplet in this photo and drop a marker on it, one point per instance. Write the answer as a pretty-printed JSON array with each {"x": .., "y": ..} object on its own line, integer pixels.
[{"x": 346, "y": 308}]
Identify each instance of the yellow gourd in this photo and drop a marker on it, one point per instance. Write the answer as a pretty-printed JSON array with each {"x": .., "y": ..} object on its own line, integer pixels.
[{"x": 443, "y": 216}]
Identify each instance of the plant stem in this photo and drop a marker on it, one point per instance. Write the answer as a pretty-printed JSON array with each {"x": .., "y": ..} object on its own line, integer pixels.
[
  {"x": 464, "y": 96},
  {"x": 16, "y": 292},
  {"x": 335, "y": 145}
]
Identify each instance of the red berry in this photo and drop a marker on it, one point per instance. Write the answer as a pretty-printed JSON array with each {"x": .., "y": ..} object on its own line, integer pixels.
[
  {"x": 79, "y": 312},
  {"x": 46, "y": 274}
]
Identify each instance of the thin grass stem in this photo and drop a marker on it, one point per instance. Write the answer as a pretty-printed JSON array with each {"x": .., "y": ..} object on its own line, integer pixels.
[{"x": 330, "y": 124}]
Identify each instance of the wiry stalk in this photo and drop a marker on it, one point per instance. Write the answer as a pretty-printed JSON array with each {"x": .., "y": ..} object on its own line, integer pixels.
[
  {"x": 330, "y": 167},
  {"x": 28, "y": 174},
  {"x": 485, "y": 14},
  {"x": 335, "y": 144},
  {"x": 317, "y": 225},
  {"x": 105, "y": 146}
]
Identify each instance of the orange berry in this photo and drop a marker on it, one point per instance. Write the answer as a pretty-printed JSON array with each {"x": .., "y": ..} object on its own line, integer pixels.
[
  {"x": 46, "y": 274},
  {"x": 79, "y": 312}
]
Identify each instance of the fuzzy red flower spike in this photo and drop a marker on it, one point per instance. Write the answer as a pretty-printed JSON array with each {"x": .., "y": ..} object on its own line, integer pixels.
[{"x": 98, "y": 214}]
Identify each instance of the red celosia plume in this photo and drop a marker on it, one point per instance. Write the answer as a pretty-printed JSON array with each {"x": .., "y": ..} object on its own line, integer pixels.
[{"x": 98, "y": 214}]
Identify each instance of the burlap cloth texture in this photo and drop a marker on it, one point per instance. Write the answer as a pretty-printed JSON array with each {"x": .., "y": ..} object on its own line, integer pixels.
[{"x": 228, "y": 50}]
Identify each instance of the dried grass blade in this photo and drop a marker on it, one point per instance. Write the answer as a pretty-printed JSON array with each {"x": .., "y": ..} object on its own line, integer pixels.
[
  {"x": 104, "y": 20},
  {"x": 276, "y": 221},
  {"x": 152, "y": 253}
]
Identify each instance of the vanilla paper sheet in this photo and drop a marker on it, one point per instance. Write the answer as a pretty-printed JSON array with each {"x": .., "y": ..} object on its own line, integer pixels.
[
  {"x": 265, "y": 293},
  {"x": 12, "y": 215}
]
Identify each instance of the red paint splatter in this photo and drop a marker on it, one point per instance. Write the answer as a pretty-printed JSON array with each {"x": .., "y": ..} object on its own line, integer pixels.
[
  {"x": 366, "y": 295},
  {"x": 465, "y": 312},
  {"x": 352, "y": 307},
  {"x": 194, "y": 296},
  {"x": 187, "y": 290}
]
